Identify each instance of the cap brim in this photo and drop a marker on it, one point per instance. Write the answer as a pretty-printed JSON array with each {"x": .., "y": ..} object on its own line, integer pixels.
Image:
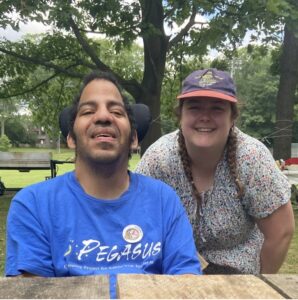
[{"x": 208, "y": 94}]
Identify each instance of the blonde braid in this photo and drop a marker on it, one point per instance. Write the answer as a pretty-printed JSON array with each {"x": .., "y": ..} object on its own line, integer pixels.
[
  {"x": 232, "y": 161},
  {"x": 187, "y": 169}
]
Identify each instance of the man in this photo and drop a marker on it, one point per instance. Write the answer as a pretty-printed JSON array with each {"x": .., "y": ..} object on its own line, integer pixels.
[{"x": 101, "y": 218}]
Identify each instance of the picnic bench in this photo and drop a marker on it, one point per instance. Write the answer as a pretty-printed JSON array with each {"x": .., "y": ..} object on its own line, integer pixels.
[
  {"x": 138, "y": 286},
  {"x": 27, "y": 161}
]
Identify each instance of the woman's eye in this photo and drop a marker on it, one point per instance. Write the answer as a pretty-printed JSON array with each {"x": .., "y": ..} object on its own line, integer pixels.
[
  {"x": 218, "y": 108},
  {"x": 193, "y": 108}
]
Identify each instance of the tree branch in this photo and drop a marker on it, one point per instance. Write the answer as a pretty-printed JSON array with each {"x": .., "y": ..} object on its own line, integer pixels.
[
  {"x": 31, "y": 89},
  {"x": 185, "y": 29},
  {"x": 86, "y": 47},
  {"x": 132, "y": 86},
  {"x": 36, "y": 61}
]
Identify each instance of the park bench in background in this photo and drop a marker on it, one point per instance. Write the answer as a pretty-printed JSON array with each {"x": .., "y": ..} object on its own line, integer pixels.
[{"x": 27, "y": 161}]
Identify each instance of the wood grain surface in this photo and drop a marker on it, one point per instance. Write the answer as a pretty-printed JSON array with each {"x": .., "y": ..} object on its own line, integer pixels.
[
  {"x": 194, "y": 287},
  {"x": 80, "y": 287}
]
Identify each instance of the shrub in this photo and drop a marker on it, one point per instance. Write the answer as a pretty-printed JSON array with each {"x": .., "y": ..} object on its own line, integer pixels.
[{"x": 4, "y": 143}]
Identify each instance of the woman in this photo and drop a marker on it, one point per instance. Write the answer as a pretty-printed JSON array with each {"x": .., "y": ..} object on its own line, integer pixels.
[{"x": 236, "y": 197}]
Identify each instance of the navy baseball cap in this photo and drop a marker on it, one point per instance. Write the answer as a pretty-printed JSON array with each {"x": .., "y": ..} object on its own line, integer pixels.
[{"x": 210, "y": 83}]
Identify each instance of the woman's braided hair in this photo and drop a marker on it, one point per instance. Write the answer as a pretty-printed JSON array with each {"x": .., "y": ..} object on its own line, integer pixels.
[{"x": 231, "y": 155}]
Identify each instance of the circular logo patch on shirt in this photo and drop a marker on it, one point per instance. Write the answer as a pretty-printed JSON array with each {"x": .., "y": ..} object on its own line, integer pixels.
[{"x": 132, "y": 233}]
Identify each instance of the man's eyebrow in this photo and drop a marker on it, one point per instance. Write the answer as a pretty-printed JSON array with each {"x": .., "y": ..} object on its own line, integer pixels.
[
  {"x": 87, "y": 103},
  {"x": 116, "y": 103},
  {"x": 93, "y": 103}
]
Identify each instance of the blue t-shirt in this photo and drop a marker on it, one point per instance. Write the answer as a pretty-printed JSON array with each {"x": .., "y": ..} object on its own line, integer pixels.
[{"x": 55, "y": 229}]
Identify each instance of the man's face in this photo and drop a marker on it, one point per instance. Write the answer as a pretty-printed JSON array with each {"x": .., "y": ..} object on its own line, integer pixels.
[{"x": 101, "y": 128}]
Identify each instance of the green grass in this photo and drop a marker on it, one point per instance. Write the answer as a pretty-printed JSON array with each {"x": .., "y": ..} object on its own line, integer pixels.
[
  {"x": 15, "y": 179},
  {"x": 4, "y": 205},
  {"x": 290, "y": 265}
]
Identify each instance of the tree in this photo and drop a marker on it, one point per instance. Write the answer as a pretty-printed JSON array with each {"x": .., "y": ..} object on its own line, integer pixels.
[
  {"x": 256, "y": 90},
  {"x": 285, "y": 12},
  {"x": 69, "y": 50},
  {"x": 7, "y": 110},
  {"x": 286, "y": 93},
  {"x": 4, "y": 143},
  {"x": 48, "y": 99},
  {"x": 20, "y": 130}
]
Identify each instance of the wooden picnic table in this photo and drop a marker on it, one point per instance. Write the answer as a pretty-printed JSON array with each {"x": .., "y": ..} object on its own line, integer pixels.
[{"x": 132, "y": 286}]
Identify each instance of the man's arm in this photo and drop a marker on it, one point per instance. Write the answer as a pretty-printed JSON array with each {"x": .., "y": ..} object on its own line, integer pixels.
[{"x": 278, "y": 229}]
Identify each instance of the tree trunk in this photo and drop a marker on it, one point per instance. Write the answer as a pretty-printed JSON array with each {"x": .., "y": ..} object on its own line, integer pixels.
[
  {"x": 286, "y": 96},
  {"x": 2, "y": 127},
  {"x": 155, "y": 50}
]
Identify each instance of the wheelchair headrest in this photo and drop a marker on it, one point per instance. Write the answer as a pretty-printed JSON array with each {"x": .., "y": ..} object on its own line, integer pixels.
[{"x": 141, "y": 114}]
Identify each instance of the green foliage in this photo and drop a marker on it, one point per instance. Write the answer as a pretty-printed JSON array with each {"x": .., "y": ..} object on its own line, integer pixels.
[
  {"x": 220, "y": 64},
  {"x": 48, "y": 68},
  {"x": 275, "y": 57},
  {"x": 176, "y": 71},
  {"x": 20, "y": 130},
  {"x": 8, "y": 107},
  {"x": 48, "y": 92},
  {"x": 256, "y": 89},
  {"x": 4, "y": 143}
]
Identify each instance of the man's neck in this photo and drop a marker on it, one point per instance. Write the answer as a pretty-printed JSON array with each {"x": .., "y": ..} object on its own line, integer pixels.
[{"x": 103, "y": 182}]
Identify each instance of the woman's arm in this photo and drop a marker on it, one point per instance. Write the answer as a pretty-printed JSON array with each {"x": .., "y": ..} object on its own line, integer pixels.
[{"x": 278, "y": 229}]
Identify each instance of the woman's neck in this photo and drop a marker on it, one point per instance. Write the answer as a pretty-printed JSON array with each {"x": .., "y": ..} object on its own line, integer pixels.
[
  {"x": 205, "y": 159},
  {"x": 203, "y": 167}
]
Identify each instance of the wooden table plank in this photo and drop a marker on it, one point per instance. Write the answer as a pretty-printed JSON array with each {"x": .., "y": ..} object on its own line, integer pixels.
[
  {"x": 79, "y": 287},
  {"x": 287, "y": 284},
  {"x": 192, "y": 286}
]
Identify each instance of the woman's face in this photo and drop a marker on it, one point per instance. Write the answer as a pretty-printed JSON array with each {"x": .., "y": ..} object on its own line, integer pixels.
[{"x": 205, "y": 123}]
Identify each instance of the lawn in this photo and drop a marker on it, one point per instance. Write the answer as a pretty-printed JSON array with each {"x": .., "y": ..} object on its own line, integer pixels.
[
  {"x": 290, "y": 266},
  {"x": 4, "y": 205},
  {"x": 15, "y": 179}
]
